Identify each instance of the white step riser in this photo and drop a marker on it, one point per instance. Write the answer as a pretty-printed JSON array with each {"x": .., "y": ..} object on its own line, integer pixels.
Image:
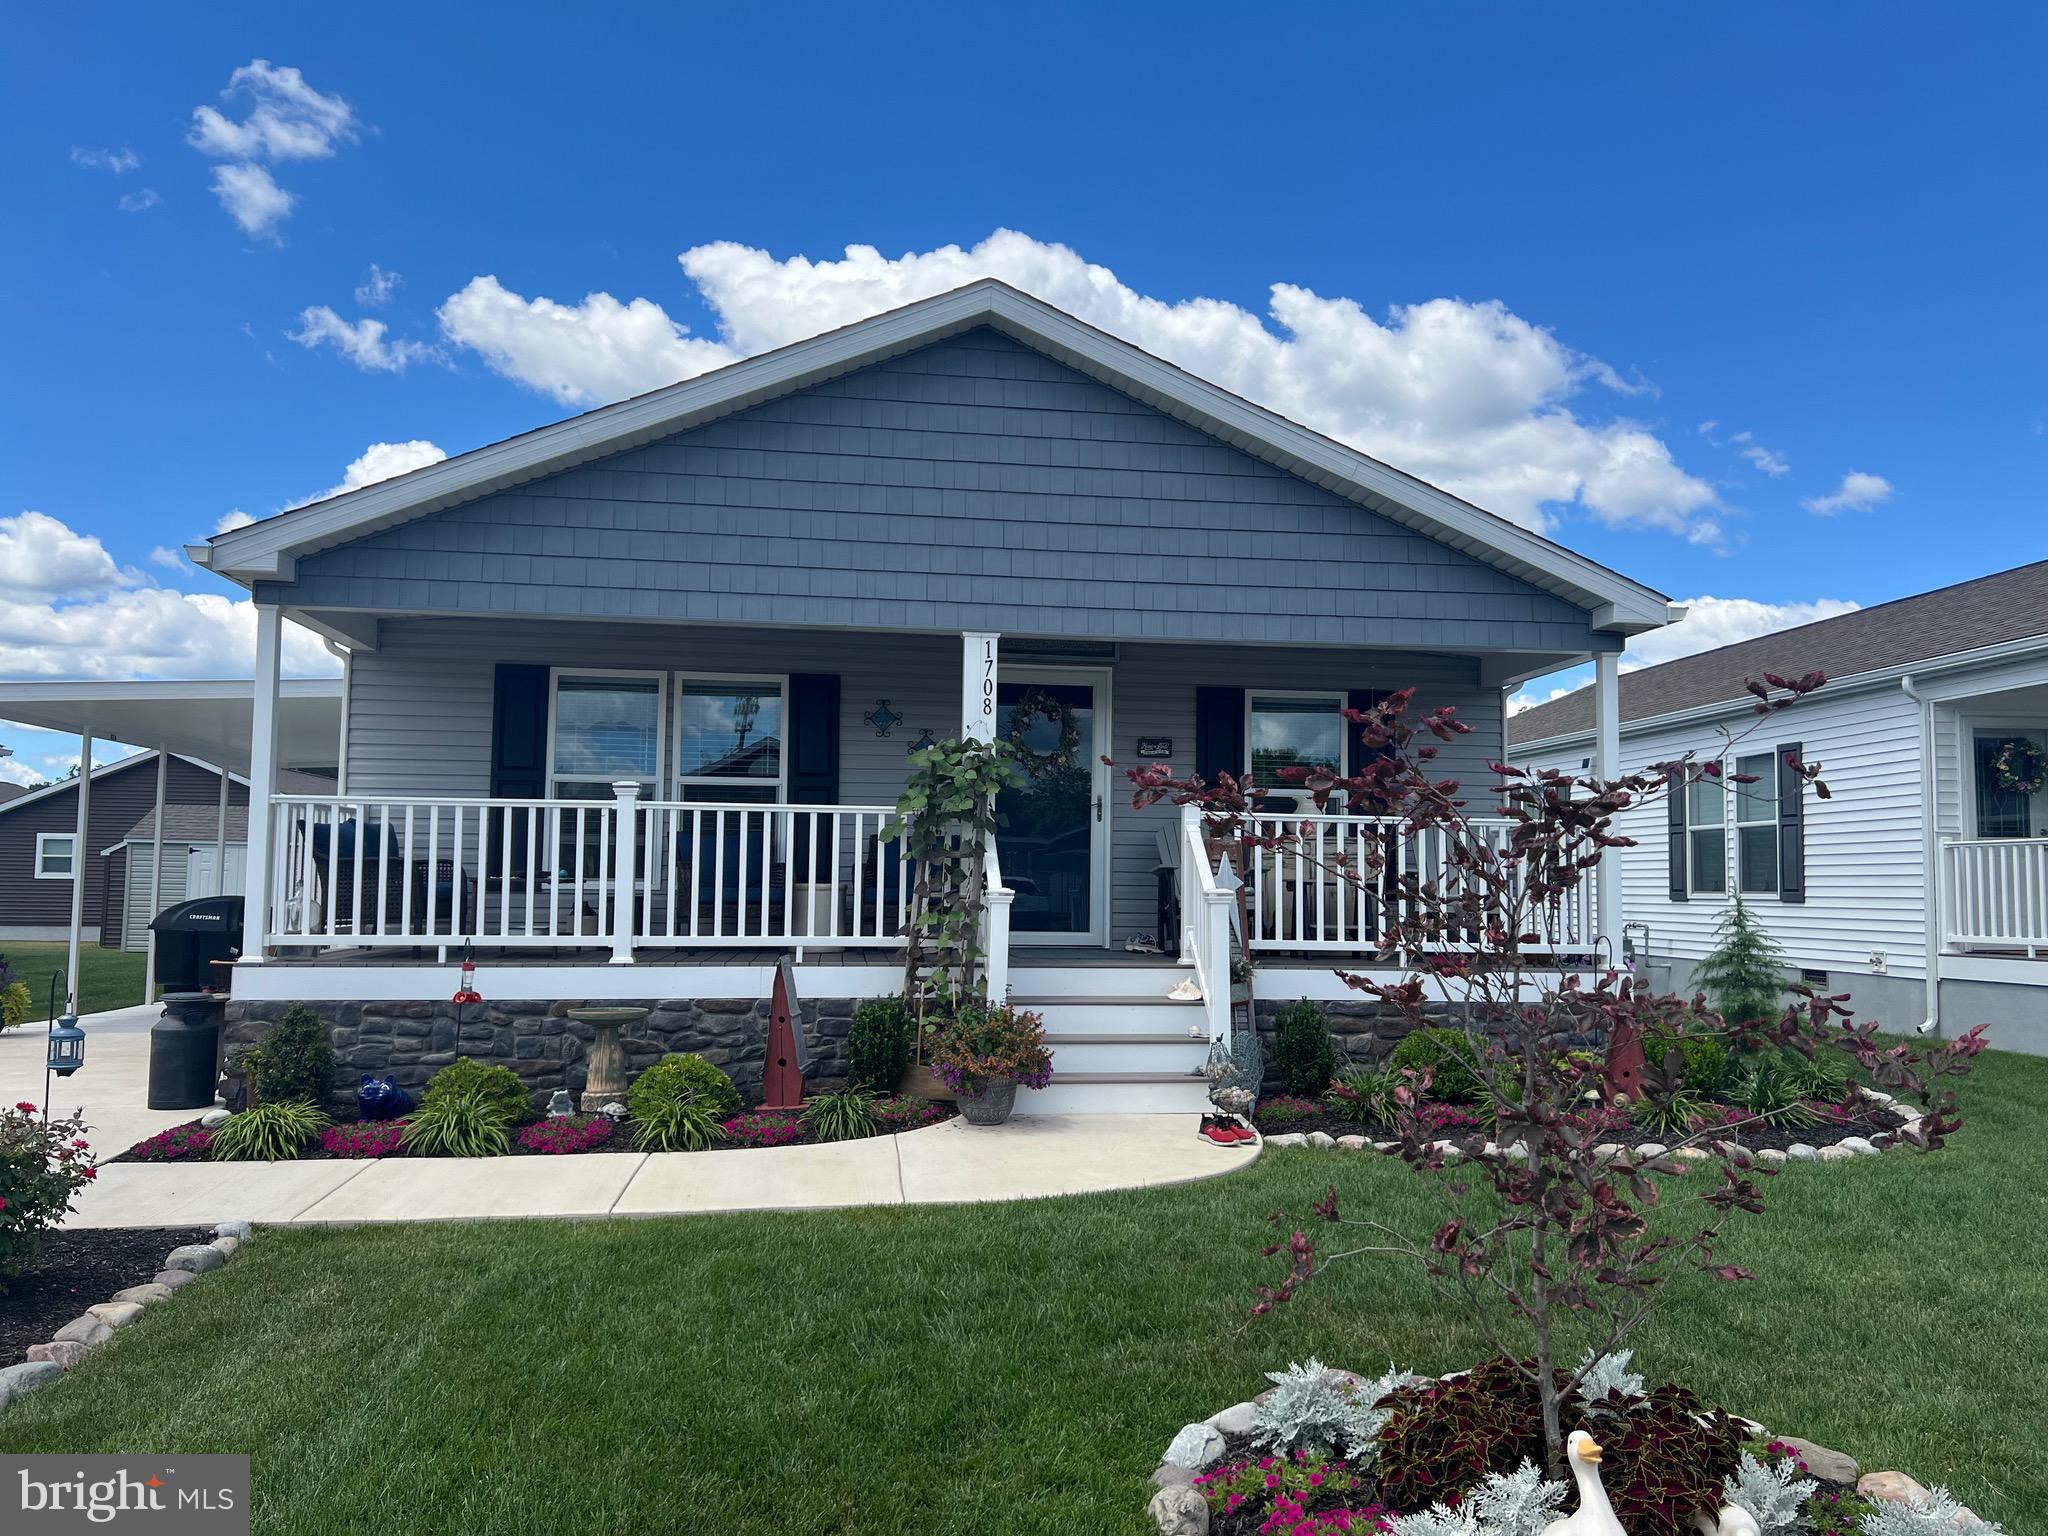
[
  {"x": 1125, "y": 1019},
  {"x": 1126, "y": 1057},
  {"x": 1140, "y": 981},
  {"x": 1191, "y": 1097}
]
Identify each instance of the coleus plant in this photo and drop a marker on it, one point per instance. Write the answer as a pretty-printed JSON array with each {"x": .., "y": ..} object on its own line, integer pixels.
[{"x": 1539, "y": 1230}]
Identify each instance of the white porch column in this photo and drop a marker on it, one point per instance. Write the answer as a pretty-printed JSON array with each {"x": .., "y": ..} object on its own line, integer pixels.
[
  {"x": 78, "y": 857},
  {"x": 262, "y": 782},
  {"x": 624, "y": 860},
  {"x": 220, "y": 837},
  {"x": 156, "y": 877},
  {"x": 978, "y": 685},
  {"x": 1607, "y": 765}
]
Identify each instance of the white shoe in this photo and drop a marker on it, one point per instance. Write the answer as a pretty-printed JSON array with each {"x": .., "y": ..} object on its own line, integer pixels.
[
  {"x": 1142, "y": 944},
  {"x": 1186, "y": 992}
]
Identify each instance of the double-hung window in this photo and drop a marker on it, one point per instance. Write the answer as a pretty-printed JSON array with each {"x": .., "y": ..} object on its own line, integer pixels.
[
  {"x": 1706, "y": 837},
  {"x": 1756, "y": 825},
  {"x": 1294, "y": 730},
  {"x": 604, "y": 728},
  {"x": 54, "y": 859},
  {"x": 729, "y": 735}
]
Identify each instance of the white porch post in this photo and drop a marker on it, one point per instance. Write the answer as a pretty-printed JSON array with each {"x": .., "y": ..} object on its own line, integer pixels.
[
  {"x": 220, "y": 837},
  {"x": 156, "y": 877},
  {"x": 978, "y": 685},
  {"x": 262, "y": 782},
  {"x": 628, "y": 792},
  {"x": 78, "y": 856},
  {"x": 1607, "y": 765}
]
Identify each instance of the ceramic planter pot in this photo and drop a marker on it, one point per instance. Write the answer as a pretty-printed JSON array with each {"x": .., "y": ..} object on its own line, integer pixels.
[{"x": 992, "y": 1106}]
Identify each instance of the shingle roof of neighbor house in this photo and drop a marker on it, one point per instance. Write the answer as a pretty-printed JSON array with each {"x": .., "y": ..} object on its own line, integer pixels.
[{"x": 2011, "y": 605}]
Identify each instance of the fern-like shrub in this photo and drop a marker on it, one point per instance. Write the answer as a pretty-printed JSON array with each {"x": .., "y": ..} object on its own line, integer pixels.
[
  {"x": 497, "y": 1085},
  {"x": 1302, "y": 1053},
  {"x": 878, "y": 1044},
  {"x": 271, "y": 1132},
  {"x": 848, "y": 1116},
  {"x": 461, "y": 1122}
]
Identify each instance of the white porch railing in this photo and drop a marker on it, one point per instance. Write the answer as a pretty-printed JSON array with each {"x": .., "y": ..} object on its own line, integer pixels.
[
  {"x": 1994, "y": 893},
  {"x": 1205, "y": 911},
  {"x": 1316, "y": 895},
  {"x": 349, "y": 872}
]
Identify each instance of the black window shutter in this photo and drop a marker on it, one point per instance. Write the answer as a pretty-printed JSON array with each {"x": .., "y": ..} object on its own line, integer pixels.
[
  {"x": 1791, "y": 825},
  {"x": 1674, "y": 823},
  {"x": 1363, "y": 699},
  {"x": 814, "y": 738},
  {"x": 519, "y": 751},
  {"x": 1219, "y": 733}
]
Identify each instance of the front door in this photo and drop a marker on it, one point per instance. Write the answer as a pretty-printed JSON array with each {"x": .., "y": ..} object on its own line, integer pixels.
[{"x": 1054, "y": 840}]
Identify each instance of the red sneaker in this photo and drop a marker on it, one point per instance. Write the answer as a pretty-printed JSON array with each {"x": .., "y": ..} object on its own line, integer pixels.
[
  {"x": 1217, "y": 1133},
  {"x": 1240, "y": 1132}
]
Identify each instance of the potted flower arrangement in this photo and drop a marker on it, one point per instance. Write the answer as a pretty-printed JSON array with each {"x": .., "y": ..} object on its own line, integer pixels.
[{"x": 983, "y": 1054}]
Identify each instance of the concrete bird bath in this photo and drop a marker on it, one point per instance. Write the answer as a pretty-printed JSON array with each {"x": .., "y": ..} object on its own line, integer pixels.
[{"x": 605, "y": 1081}]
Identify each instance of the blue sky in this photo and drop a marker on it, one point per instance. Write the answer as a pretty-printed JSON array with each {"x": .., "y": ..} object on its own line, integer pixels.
[{"x": 1572, "y": 234}]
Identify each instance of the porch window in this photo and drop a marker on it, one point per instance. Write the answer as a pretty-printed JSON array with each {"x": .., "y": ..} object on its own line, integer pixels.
[
  {"x": 2001, "y": 812},
  {"x": 605, "y": 727},
  {"x": 1706, "y": 837},
  {"x": 53, "y": 855},
  {"x": 1756, "y": 825},
  {"x": 730, "y": 732},
  {"x": 1294, "y": 730}
]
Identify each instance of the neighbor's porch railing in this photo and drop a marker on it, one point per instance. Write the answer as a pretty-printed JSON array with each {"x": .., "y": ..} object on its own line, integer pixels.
[
  {"x": 1315, "y": 895},
  {"x": 1994, "y": 893},
  {"x": 606, "y": 875}
]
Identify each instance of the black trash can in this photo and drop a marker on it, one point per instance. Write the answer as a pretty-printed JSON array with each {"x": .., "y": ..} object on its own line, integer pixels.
[
  {"x": 190, "y": 937},
  {"x": 183, "y": 1045}
]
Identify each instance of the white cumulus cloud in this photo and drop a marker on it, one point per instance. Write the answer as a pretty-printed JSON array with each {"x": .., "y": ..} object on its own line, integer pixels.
[
  {"x": 1466, "y": 395},
  {"x": 120, "y": 161},
  {"x": 40, "y": 554},
  {"x": 1768, "y": 460},
  {"x": 378, "y": 287},
  {"x": 253, "y": 199},
  {"x": 140, "y": 200},
  {"x": 1712, "y": 622},
  {"x": 167, "y": 558},
  {"x": 380, "y": 461},
  {"x": 286, "y": 120},
  {"x": 1858, "y": 492},
  {"x": 364, "y": 343},
  {"x": 232, "y": 519}
]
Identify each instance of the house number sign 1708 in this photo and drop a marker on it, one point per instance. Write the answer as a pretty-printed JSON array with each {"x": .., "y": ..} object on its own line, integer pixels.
[{"x": 978, "y": 691}]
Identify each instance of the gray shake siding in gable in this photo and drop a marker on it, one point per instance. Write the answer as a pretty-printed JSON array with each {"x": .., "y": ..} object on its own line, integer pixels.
[
  {"x": 972, "y": 484},
  {"x": 420, "y": 706}
]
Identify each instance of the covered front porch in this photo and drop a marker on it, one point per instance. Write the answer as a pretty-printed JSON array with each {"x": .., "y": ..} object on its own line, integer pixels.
[{"x": 1991, "y": 783}]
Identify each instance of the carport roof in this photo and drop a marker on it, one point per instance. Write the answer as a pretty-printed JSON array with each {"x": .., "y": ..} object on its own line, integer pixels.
[{"x": 208, "y": 719}]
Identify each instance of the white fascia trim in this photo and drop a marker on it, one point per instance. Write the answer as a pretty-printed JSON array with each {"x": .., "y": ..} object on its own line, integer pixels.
[
  {"x": 1885, "y": 677},
  {"x": 264, "y": 551}
]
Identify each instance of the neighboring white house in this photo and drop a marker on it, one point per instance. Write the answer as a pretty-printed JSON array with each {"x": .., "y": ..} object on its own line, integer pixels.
[{"x": 1921, "y": 887}]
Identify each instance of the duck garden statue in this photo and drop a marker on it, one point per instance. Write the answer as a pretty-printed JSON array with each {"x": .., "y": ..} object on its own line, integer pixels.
[
  {"x": 1594, "y": 1516},
  {"x": 1733, "y": 1520}
]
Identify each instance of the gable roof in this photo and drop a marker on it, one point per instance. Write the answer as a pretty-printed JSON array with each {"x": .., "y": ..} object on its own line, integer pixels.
[
  {"x": 106, "y": 770},
  {"x": 10, "y": 791},
  {"x": 268, "y": 550},
  {"x": 1992, "y": 610}
]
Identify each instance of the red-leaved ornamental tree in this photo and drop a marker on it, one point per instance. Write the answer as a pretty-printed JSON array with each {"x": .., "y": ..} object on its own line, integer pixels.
[{"x": 1546, "y": 1218}]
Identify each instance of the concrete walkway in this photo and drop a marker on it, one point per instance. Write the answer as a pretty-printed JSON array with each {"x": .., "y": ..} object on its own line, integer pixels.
[{"x": 943, "y": 1164}]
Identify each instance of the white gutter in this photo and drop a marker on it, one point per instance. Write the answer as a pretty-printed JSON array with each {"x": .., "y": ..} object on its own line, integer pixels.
[{"x": 1929, "y": 855}]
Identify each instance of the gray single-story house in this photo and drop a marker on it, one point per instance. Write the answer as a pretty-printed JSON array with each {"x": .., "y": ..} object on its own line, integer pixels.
[{"x": 628, "y": 698}]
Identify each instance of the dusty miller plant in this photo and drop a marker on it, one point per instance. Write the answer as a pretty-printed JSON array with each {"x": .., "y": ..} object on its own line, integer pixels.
[
  {"x": 1315, "y": 1409},
  {"x": 1517, "y": 1503},
  {"x": 1939, "y": 1514},
  {"x": 1535, "y": 1231},
  {"x": 1605, "y": 1376},
  {"x": 945, "y": 817},
  {"x": 1775, "y": 1496}
]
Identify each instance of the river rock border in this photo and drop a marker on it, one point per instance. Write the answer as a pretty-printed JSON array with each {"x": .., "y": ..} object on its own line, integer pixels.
[
  {"x": 1846, "y": 1150},
  {"x": 1178, "y": 1508},
  {"x": 98, "y": 1323}
]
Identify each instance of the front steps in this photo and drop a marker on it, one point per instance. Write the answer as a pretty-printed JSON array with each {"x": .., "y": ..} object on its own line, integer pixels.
[{"x": 1120, "y": 1045}]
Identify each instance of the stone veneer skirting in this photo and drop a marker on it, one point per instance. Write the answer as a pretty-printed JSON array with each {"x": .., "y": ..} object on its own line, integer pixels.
[{"x": 410, "y": 1041}]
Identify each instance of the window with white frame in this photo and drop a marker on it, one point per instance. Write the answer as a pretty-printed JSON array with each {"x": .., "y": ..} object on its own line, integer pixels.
[
  {"x": 1293, "y": 730},
  {"x": 1706, "y": 837},
  {"x": 1756, "y": 825},
  {"x": 729, "y": 735},
  {"x": 605, "y": 727},
  {"x": 54, "y": 855}
]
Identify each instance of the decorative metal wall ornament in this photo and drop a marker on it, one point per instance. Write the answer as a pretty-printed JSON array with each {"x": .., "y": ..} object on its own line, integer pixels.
[
  {"x": 1037, "y": 703},
  {"x": 925, "y": 741},
  {"x": 883, "y": 718}
]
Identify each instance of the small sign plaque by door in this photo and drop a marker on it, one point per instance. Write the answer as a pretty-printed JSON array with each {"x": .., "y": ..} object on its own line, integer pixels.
[{"x": 1155, "y": 746}]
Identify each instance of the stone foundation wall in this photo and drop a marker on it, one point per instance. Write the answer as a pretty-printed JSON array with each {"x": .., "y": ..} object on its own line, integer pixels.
[
  {"x": 1362, "y": 1038},
  {"x": 411, "y": 1041}
]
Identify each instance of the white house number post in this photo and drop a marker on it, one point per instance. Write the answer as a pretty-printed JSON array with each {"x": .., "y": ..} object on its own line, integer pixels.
[{"x": 978, "y": 687}]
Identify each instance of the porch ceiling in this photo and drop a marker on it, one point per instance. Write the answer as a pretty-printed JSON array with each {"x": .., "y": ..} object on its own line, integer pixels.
[{"x": 208, "y": 719}]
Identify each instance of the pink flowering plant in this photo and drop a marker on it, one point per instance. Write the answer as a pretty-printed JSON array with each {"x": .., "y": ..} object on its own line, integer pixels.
[
  {"x": 1550, "y": 1246},
  {"x": 364, "y": 1139},
  {"x": 1302, "y": 1494},
  {"x": 982, "y": 1046},
  {"x": 764, "y": 1128},
  {"x": 181, "y": 1142},
  {"x": 561, "y": 1135},
  {"x": 907, "y": 1112},
  {"x": 42, "y": 1169}
]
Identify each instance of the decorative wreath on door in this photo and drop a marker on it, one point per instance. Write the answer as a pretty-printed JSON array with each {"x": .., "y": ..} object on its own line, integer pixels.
[
  {"x": 2021, "y": 766},
  {"x": 1036, "y": 704}
]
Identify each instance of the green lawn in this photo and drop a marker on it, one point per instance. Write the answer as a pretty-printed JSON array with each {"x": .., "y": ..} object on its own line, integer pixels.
[
  {"x": 1014, "y": 1369},
  {"x": 107, "y": 978}
]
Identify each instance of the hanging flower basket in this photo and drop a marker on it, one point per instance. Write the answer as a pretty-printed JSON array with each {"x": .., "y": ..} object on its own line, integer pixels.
[{"x": 2021, "y": 766}]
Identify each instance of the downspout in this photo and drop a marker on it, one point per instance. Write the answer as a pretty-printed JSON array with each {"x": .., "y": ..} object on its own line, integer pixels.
[{"x": 1929, "y": 857}]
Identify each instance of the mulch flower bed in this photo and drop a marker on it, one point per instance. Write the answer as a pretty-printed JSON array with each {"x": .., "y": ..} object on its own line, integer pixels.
[
  {"x": 73, "y": 1270},
  {"x": 1283, "y": 1114},
  {"x": 573, "y": 1136}
]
